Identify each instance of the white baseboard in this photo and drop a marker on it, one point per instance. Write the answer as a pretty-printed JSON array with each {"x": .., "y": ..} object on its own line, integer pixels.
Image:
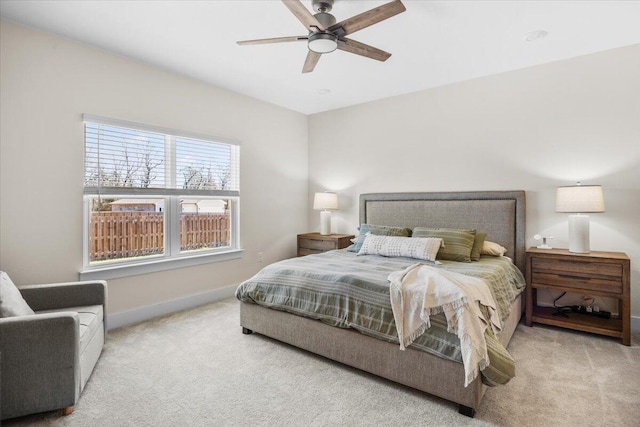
[{"x": 141, "y": 314}]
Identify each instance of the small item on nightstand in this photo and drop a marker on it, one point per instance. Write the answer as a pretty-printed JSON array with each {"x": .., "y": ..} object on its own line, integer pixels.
[
  {"x": 589, "y": 310},
  {"x": 544, "y": 241}
]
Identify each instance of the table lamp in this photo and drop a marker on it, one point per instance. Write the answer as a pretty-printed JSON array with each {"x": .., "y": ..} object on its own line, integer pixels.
[
  {"x": 325, "y": 202},
  {"x": 578, "y": 200}
]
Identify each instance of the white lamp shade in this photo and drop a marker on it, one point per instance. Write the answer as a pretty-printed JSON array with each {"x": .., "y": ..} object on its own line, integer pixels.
[
  {"x": 580, "y": 199},
  {"x": 325, "y": 201}
]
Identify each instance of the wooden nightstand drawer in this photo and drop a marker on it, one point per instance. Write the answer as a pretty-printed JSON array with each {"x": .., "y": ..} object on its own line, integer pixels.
[
  {"x": 316, "y": 243},
  {"x": 577, "y": 268},
  {"x": 303, "y": 251},
  {"x": 322, "y": 245},
  {"x": 577, "y": 281},
  {"x": 591, "y": 276}
]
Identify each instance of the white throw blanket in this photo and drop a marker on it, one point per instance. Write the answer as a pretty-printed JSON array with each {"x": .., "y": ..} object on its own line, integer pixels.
[{"x": 420, "y": 291}]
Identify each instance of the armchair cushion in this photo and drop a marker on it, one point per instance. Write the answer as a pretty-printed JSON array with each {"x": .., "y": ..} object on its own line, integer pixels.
[
  {"x": 90, "y": 320},
  {"x": 11, "y": 301}
]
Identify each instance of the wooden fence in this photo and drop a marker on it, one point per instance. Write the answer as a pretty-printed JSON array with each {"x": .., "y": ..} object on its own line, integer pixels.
[{"x": 117, "y": 235}]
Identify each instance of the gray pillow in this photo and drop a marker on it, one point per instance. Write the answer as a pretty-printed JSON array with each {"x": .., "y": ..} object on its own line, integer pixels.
[
  {"x": 11, "y": 301},
  {"x": 377, "y": 230},
  {"x": 457, "y": 243}
]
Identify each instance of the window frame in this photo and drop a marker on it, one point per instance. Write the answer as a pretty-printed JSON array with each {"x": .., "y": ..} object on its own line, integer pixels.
[{"x": 173, "y": 256}]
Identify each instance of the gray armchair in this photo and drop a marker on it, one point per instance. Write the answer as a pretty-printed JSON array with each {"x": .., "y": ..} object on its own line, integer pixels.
[{"x": 47, "y": 358}]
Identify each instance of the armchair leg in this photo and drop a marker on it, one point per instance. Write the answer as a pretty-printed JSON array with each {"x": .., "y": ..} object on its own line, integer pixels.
[{"x": 67, "y": 411}]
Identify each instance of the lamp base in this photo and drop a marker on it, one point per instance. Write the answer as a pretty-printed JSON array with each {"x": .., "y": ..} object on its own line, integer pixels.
[
  {"x": 579, "y": 234},
  {"x": 325, "y": 222}
]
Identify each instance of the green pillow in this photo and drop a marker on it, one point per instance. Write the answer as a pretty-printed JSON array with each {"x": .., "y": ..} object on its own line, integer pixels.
[
  {"x": 457, "y": 243},
  {"x": 377, "y": 230},
  {"x": 477, "y": 246}
]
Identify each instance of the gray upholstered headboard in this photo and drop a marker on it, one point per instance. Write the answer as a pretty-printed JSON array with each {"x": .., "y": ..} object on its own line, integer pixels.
[{"x": 500, "y": 214}]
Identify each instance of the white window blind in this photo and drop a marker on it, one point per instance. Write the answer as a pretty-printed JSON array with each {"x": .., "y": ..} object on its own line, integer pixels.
[
  {"x": 202, "y": 165},
  {"x": 124, "y": 157},
  {"x": 121, "y": 157}
]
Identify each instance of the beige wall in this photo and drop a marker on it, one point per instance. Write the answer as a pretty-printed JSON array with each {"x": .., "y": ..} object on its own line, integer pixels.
[
  {"x": 532, "y": 129},
  {"x": 48, "y": 82}
]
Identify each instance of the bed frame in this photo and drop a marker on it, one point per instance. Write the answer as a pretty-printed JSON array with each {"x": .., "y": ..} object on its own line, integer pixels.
[{"x": 501, "y": 214}]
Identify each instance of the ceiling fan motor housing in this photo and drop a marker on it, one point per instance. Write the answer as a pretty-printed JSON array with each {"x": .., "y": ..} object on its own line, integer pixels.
[{"x": 326, "y": 19}]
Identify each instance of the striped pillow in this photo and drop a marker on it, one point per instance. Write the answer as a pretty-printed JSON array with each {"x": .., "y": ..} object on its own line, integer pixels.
[
  {"x": 457, "y": 243},
  {"x": 378, "y": 230},
  {"x": 394, "y": 246}
]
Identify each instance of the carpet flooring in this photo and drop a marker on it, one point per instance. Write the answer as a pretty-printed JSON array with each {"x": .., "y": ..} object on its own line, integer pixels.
[{"x": 195, "y": 368}]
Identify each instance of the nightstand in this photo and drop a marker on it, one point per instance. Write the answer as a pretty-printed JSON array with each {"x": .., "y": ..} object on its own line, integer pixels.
[
  {"x": 604, "y": 274},
  {"x": 315, "y": 243}
]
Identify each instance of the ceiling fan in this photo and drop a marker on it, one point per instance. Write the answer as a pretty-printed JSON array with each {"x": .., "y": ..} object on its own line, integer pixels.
[{"x": 325, "y": 35}]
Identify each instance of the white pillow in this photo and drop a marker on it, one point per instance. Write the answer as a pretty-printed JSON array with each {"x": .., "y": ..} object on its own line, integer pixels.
[
  {"x": 11, "y": 301},
  {"x": 493, "y": 249},
  {"x": 395, "y": 246}
]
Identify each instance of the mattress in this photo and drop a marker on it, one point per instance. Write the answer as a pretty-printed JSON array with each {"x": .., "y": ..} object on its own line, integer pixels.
[{"x": 345, "y": 290}]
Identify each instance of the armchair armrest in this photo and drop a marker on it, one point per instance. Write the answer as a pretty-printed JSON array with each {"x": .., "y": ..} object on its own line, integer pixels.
[
  {"x": 40, "y": 362},
  {"x": 61, "y": 295}
]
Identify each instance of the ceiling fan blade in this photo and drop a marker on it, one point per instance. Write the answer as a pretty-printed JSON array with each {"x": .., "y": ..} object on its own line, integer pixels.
[
  {"x": 370, "y": 17},
  {"x": 272, "y": 40},
  {"x": 310, "y": 62},
  {"x": 302, "y": 13},
  {"x": 352, "y": 46}
]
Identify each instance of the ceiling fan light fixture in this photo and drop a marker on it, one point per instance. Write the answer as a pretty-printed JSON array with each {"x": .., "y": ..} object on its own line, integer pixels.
[{"x": 322, "y": 43}]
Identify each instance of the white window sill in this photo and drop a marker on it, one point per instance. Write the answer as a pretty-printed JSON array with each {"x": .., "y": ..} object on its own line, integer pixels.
[{"x": 154, "y": 265}]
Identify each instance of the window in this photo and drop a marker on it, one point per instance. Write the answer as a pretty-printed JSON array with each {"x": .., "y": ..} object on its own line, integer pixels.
[{"x": 154, "y": 195}]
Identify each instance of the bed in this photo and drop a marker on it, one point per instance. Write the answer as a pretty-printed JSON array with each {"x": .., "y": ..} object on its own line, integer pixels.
[{"x": 500, "y": 214}]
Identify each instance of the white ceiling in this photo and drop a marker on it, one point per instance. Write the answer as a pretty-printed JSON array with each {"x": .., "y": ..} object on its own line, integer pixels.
[{"x": 433, "y": 43}]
